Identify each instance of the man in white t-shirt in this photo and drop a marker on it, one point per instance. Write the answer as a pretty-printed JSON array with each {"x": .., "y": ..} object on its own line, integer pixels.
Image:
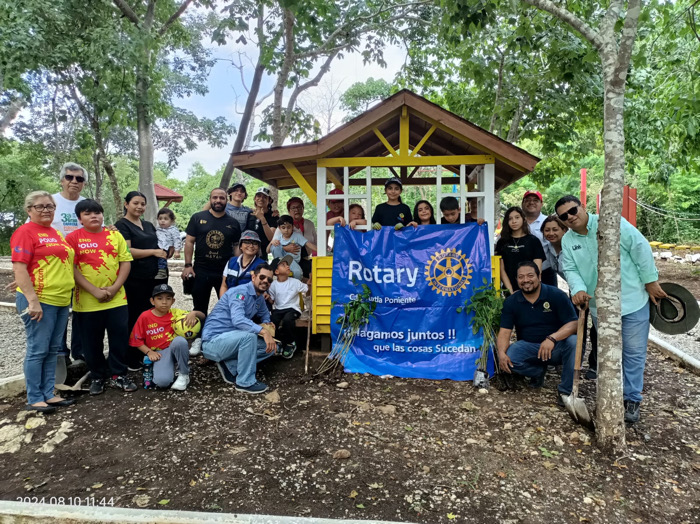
[{"x": 73, "y": 178}]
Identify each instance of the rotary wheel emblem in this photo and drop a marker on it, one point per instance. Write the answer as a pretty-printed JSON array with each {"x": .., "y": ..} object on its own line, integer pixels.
[{"x": 448, "y": 272}]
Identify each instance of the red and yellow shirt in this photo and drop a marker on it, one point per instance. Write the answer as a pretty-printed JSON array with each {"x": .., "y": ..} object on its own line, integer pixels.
[
  {"x": 153, "y": 331},
  {"x": 49, "y": 260},
  {"x": 97, "y": 257}
]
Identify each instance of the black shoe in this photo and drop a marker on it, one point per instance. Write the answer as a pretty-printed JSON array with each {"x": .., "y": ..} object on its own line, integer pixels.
[
  {"x": 97, "y": 387},
  {"x": 591, "y": 374},
  {"x": 560, "y": 399},
  {"x": 135, "y": 367},
  {"x": 631, "y": 411},
  {"x": 228, "y": 377},
  {"x": 40, "y": 409},
  {"x": 123, "y": 383},
  {"x": 64, "y": 402},
  {"x": 538, "y": 382}
]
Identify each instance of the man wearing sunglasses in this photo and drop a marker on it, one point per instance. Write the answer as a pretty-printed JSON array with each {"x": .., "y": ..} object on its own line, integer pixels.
[
  {"x": 639, "y": 283},
  {"x": 73, "y": 178},
  {"x": 231, "y": 337}
]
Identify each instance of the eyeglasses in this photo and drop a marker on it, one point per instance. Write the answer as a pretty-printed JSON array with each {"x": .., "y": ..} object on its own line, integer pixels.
[
  {"x": 249, "y": 243},
  {"x": 78, "y": 179},
  {"x": 47, "y": 207},
  {"x": 269, "y": 279},
  {"x": 570, "y": 213}
]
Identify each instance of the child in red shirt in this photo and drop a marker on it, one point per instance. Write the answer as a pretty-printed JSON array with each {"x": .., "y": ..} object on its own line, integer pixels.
[{"x": 153, "y": 335}]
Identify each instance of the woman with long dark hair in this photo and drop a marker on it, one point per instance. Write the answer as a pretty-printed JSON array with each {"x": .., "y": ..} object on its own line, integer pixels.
[
  {"x": 517, "y": 245},
  {"x": 140, "y": 236}
]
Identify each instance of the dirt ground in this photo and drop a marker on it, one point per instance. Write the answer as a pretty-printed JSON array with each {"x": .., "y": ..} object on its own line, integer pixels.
[
  {"x": 685, "y": 274},
  {"x": 395, "y": 449},
  {"x": 417, "y": 451}
]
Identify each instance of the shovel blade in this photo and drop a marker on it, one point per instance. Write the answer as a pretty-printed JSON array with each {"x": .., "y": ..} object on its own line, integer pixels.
[{"x": 578, "y": 410}]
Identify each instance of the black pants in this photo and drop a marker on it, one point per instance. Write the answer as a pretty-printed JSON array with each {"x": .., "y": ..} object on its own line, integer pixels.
[
  {"x": 204, "y": 281},
  {"x": 138, "y": 297},
  {"x": 76, "y": 350},
  {"x": 549, "y": 277},
  {"x": 593, "y": 353},
  {"x": 93, "y": 325},
  {"x": 284, "y": 321}
]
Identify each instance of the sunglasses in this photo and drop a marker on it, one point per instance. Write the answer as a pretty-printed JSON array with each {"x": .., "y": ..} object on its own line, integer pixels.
[
  {"x": 78, "y": 179},
  {"x": 269, "y": 279},
  {"x": 570, "y": 213}
]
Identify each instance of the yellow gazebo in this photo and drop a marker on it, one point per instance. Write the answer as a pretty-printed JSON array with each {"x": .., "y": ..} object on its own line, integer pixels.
[{"x": 403, "y": 133}]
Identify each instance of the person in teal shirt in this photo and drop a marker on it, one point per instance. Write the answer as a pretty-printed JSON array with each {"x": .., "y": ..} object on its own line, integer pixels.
[{"x": 579, "y": 248}]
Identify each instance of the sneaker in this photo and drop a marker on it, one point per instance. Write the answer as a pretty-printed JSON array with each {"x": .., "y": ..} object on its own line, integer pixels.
[
  {"x": 228, "y": 377},
  {"x": 97, "y": 387},
  {"x": 196, "y": 348},
  {"x": 162, "y": 274},
  {"x": 135, "y": 367},
  {"x": 181, "y": 383},
  {"x": 591, "y": 374},
  {"x": 631, "y": 411},
  {"x": 253, "y": 389},
  {"x": 538, "y": 382},
  {"x": 288, "y": 350},
  {"x": 122, "y": 382}
]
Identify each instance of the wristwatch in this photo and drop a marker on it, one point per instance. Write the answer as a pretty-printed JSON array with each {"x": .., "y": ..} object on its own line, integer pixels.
[
  {"x": 188, "y": 265},
  {"x": 552, "y": 339}
]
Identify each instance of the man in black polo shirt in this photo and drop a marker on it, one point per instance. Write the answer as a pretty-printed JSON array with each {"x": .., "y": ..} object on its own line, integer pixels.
[
  {"x": 545, "y": 323},
  {"x": 211, "y": 237}
]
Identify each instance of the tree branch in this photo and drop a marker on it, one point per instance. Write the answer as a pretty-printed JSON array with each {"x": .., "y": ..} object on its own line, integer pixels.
[
  {"x": 183, "y": 7},
  {"x": 127, "y": 11},
  {"x": 150, "y": 15},
  {"x": 567, "y": 16},
  {"x": 629, "y": 34}
]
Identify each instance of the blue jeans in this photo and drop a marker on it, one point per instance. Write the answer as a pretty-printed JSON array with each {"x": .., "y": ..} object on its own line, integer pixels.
[
  {"x": 239, "y": 351},
  {"x": 635, "y": 337},
  {"x": 44, "y": 340},
  {"x": 523, "y": 355}
]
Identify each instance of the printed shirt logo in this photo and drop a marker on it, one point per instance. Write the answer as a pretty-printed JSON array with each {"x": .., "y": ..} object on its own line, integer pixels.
[
  {"x": 576, "y": 247},
  {"x": 448, "y": 272},
  {"x": 202, "y": 221},
  {"x": 546, "y": 307},
  {"x": 215, "y": 239},
  {"x": 239, "y": 296}
]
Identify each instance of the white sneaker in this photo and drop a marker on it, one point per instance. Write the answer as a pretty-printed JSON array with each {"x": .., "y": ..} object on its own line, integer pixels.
[
  {"x": 196, "y": 348},
  {"x": 181, "y": 383}
]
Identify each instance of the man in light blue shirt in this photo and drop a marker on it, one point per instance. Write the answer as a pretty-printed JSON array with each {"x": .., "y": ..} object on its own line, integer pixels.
[
  {"x": 233, "y": 340},
  {"x": 579, "y": 248}
]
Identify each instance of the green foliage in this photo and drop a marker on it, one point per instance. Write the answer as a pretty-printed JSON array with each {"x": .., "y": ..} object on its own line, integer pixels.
[
  {"x": 485, "y": 305},
  {"x": 361, "y": 95}
]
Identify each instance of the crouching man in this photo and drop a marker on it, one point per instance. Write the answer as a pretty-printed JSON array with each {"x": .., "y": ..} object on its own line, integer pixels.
[
  {"x": 545, "y": 323},
  {"x": 231, "y": 338}
]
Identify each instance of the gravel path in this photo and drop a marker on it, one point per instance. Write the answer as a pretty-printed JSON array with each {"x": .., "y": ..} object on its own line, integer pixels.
[{"x": 13, "y": 341}]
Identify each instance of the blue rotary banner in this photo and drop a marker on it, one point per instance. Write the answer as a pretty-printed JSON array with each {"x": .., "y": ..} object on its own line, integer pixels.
[{"x": 418, "y": 278}]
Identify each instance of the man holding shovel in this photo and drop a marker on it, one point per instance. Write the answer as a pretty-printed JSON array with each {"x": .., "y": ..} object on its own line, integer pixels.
[
  {"x": 545, "y": 323},
  {"x": 639, "y": 277}
]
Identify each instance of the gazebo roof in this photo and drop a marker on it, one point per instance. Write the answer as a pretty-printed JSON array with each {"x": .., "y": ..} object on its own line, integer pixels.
[
  {"x": 166, "y": 194},
  {"x": 435, "y": 130}
]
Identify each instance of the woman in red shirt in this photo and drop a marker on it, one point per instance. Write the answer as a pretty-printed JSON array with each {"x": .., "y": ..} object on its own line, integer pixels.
[{"x": 42, "y": 262}]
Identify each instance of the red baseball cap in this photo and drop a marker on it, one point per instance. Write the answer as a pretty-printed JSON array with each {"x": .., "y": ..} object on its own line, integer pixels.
[
  {"x": 336, "y": 191},
  {"x": 533, "y": 193}
]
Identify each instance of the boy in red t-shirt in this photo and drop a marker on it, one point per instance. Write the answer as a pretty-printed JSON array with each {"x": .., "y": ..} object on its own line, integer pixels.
[
  {"x": 153, "y": 335},
  {"x": 102, "y": 263}
]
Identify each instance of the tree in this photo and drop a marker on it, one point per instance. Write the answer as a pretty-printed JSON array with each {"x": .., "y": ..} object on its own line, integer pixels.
[
  {"x": 297, "y": 42},
  {"x": 361, "y": 95}
]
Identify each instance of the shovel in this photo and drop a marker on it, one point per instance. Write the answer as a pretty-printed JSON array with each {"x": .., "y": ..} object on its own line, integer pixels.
[
  {"x": 574, "y": 405},
  {"x": 77, "y": 387}
]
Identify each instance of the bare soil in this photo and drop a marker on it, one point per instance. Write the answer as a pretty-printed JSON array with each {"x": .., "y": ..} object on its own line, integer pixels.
[
  {"x": 686, "y": 275},
  {"x": 419, "y": 451}
]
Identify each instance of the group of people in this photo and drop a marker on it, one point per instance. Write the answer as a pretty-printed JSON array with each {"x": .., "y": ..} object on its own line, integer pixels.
[
  {"x": 116, "y": 279},
  {"x": 535, "y": 249}
]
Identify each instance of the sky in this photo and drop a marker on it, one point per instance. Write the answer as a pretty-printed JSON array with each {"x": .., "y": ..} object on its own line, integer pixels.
[{"x": 225, "y": 84}]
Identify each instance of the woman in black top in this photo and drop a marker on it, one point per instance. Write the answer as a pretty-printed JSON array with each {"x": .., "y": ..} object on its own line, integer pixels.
[
  {"x": 517, "y": 245},
  {"x": 141, "y": 238},
  {"x": 262, "y": 220}
]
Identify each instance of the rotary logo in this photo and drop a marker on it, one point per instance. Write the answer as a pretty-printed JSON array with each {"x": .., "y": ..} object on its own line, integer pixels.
[{"x": 448, "y": 272}]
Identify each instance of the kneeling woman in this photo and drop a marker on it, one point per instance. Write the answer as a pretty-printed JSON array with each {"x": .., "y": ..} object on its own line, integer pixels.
[{"x": 42, "y": 262}]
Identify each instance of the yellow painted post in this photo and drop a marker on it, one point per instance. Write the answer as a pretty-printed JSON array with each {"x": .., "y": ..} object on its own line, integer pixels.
[
  {"x": 496, "y": 271},
  {"x": 321, "y": 282},
  {"x": 301, "y": 181},
  {"x": 403, "y": 132}
]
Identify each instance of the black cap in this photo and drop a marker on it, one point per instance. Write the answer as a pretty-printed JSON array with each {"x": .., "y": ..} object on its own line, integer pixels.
[
  {"x": 393, "y": 180},
  {"x": 276, "y": 262},
  {"x": 162, "y": 288},
  {"x": 235, "y": 187}
]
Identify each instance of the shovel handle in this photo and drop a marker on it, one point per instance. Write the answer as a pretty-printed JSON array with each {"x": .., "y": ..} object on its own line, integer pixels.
[{"x": 580, "y": 336}]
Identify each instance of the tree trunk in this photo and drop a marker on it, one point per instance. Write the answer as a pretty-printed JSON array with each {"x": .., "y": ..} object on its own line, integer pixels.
[
  {"x": 10, "y": 114},
  {"x": 609, "y": 409},
  {"x": 145, "y": 143},
  {"x": 242, "y": 136},
  {"x": 112, "y": 177}
]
